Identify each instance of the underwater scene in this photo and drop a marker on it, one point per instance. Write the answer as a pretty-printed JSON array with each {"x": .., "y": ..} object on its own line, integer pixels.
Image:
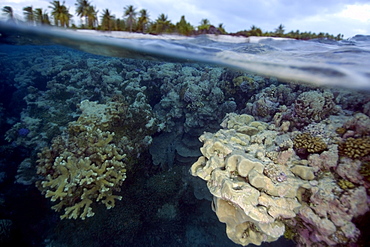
[{"x": 195, "y": 141}]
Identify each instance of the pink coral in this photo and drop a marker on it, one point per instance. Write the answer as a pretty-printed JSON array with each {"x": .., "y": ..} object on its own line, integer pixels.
[
  {"x": 325, "y": 160},
  {"x": 329, "y": 215},
  {"x": 349, "y": 170},
  {"x": 360, "y": 124}
]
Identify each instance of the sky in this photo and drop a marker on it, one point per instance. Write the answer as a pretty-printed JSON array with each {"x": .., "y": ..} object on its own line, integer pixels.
[{"x": 348, "y": 17}]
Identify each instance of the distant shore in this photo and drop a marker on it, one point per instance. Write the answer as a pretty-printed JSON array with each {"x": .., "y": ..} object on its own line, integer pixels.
[{"x": 218, "y": 38}]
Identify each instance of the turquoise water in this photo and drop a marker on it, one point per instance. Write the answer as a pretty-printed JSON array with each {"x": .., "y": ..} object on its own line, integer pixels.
[{"x": 162, "y": 94}]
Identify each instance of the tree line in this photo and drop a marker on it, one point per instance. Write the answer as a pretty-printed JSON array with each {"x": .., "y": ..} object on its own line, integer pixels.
[{"x": 139, "y": 21}]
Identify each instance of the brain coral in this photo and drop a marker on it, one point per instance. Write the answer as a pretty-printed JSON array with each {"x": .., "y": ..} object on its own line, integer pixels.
[
  {"x": 306, "y": 143},
  {"x": 355, "y": 147},
  {"x": 80, "y": 168}
]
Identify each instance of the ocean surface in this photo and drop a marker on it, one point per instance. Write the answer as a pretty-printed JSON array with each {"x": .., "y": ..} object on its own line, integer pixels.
[{"x": 68, "y": 93}]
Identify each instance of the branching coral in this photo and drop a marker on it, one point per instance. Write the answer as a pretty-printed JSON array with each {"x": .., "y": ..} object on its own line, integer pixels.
[
  {"x": 80, "y": 168},
  {"x": 85, "y": 164}
]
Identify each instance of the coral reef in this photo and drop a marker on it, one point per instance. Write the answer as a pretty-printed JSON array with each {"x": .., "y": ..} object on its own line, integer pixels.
[
  {"x": 26, "y": 173},
  {"x": 5, "y": 231},
  {"x": 85, "y": 164},
  {"x": 263, "y": 181},
  {"x": 313, "y": 106},
  {"x": 269, "y": 101},
  {"x": 306, "y": 108},
  {"x": 261, "y": 198}
]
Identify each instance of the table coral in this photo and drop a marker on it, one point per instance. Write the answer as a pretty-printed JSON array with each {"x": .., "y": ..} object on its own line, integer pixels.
[{"x": 81, "y": 167}]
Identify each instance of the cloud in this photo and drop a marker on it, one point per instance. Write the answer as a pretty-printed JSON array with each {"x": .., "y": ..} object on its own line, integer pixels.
[
  {"x": 332, "y": 16},
  {"x": 356, "y": 12}
]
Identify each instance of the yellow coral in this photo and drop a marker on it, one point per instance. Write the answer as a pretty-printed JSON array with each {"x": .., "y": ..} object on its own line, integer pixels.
[
  {"x": 80, "y": 169},
  {"x": 345, "y": 184},
  {"x": 355, "y": 147},
  {"x": 340, "y": 130},
  {"x": 308, "y": 143}
]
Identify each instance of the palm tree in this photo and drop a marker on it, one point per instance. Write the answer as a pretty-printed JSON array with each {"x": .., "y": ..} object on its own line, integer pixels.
[
  {"x": 60, "y": 14},
  {"x": 92, "y": 17},
  {"x": 143, "y": 20},
  {"x": 221, "y": 28},
  {"x": 297, "y": 34},
  {"x": 279, "y": 31},
  {"x": 184, "y": 27},
  {"x": 41, "y": 17},
  {"x": 162, "y": 24},
  {"x": 29, "y": 14},
  {"x": 339, "y": 36},
  {"x": 255, "y": 31},
  {"x": 82, "y": 7},
  {"x": 7, "y": 10},
  {"x": 107, "y": 20},
  {"x": 119, "y": 25},
  {"x": 204, "y": 24},
  {"x": 129, "y": 11}
]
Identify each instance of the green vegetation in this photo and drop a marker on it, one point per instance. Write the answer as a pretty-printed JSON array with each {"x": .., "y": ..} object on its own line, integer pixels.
[
  {"x": 131, "y": 16},
  {"x": 140, "y": 21},
  {"x": 204, "y": 24},
  {"x": 8, "y": 11},
  {"x": 60, "y": 14},
  {"x": 143, "y": 21},
  {"x": 161, "y": 25},
  {"x": 184, "y": 27},
  {"x": 41, "y": 17},
  {"x": 107, "y": 20}
]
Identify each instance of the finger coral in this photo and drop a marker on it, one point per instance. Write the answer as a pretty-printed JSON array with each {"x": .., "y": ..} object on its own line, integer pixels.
[{"x": 81, "y": 167}]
